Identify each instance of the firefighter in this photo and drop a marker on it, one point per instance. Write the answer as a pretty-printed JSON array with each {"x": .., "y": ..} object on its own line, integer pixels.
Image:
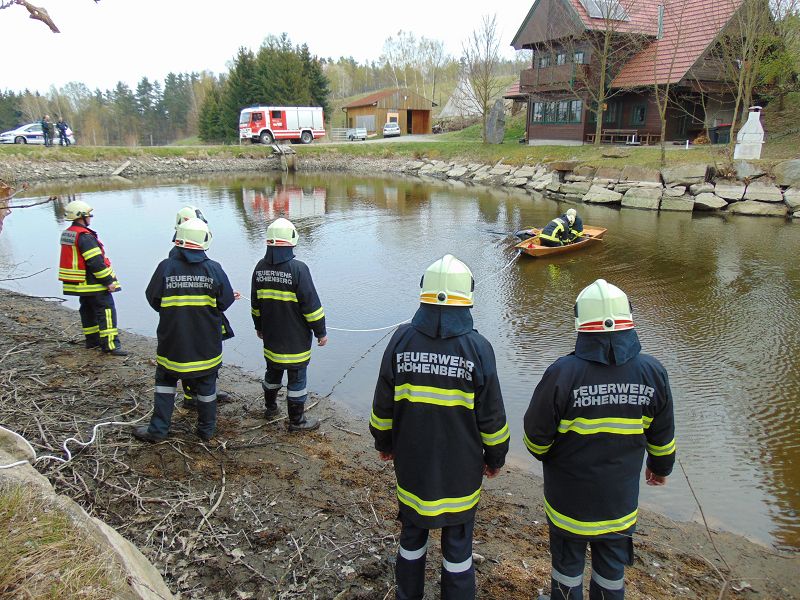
[
  {"x": 592, "y": 418},
  {"x": 286, "y": 312},
  {"x": 85, "y": 271},
  {"x": 576, "y": 226},
  {"x": 557, "y": 231},
  {"x": 438, "y": 413},
  {"x": 190, "y": 292}
]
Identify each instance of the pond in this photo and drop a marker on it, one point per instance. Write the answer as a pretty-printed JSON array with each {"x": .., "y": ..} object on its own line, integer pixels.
[{"x": 715, "y": 299}]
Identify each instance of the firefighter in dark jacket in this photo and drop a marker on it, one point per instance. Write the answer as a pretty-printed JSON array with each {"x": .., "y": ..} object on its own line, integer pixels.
[
  {"x": 286, "y": 312},
  {"x": 85, "y": 271},
  {"x": 558, "y": 232},
  {"x": 190, "y": 292},
  {"x": 592, "y": 418},
  {"x": 438, "y": 412}
]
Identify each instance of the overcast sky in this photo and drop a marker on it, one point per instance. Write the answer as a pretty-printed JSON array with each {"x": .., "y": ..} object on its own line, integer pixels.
[{"x": 123, "y": 40}]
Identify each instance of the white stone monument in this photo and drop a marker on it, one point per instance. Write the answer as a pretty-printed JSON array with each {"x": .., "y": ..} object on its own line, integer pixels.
[{"x": 750, "y": 137}]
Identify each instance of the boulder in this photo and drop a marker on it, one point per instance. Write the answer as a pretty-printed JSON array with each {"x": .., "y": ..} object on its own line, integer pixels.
[
  {"x": 787, "y": 173},
  {"x": 701, "y": 188},
  {"x": 680, "y": 203},
  {"x": 642, "y": 198},
  {"x": 571, "y": 178},
  {"x": 634, "y": 173},
  {"x": 796, "y": 215},
  {"x": 496, "y": 123},
  {"x": 675, "y": 192},
  {"x": 613, "y": 152},
  {"x": 501, "y": 169},
  {"x": 457, "y": 172},
  {"x": 684, "y": 174},
  {"x": 585, "y": 171},
  {"x": 525, "y": 172},
  {"x": 609, "y": 173},
  {"x": 730, "y": 190},
  {"x": 575, "y": 188},
  {"x": 414, "y": 165},
  {"x": 476, "y": 166},
  {"x": 745, "y": 170},
  {"x": 482, "y": 177},
  {"x": 539, "y": 184},
  {"x": 763, "y": 192},
  {"x": 792, "y": 198},
  {"x": 563, "y": 165},
  {"x": 600, "y": 195},
  {"x": 764, "y": 209},
  {"x": 624, "y": 187},
  {"x": 708, "y": 201},
  {"x": 553, "y": 186},
  {"x": 516, "y": 181}
]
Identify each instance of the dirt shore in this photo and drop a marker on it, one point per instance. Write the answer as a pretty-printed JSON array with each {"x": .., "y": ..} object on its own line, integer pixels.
[{"x": 260, "y": 513}]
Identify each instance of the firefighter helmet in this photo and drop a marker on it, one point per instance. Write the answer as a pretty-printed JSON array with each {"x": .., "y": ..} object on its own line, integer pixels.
[
  {"x": 77, "y": 209},
  {"x": 189, "y": 212},
  {"x": 447, "y": 282},
  {"x": 602, "y": 307},
  {"x": 281, "y": 232},
  {"x": 193, "y": 234},
  {"x": 571, "y": 214}
]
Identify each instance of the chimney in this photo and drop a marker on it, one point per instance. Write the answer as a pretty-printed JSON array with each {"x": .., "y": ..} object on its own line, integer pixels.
[{"x": 660, "y": 21}]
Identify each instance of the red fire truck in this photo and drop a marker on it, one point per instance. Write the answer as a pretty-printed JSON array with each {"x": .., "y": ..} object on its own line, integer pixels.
[{"x": 266, "y": 124}]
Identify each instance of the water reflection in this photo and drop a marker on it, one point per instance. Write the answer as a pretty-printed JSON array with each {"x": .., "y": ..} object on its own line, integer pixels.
[{"x": 713, "y": 302}]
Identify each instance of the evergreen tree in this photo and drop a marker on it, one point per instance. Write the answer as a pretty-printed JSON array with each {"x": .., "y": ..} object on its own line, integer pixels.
[
  {"x": 10, "y": 110},
  {"x": 318, "y": 83},
  {"x": 239, "y": 91},
  {"x": 210, "y": 124}
]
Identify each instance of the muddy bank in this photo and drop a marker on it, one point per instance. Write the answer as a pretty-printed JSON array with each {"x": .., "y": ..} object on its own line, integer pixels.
[{"x": 259, "y": 513}]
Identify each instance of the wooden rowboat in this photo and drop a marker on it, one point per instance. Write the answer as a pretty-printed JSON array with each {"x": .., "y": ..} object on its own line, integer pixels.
[{"x": 533, "y": 246}]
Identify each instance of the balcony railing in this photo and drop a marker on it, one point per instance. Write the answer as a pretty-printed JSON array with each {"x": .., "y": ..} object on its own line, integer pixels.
[{"x": 552, "y": 77}]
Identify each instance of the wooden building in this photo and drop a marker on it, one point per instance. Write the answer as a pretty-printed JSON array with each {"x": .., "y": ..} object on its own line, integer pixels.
[
  {"x": 654, "y": 43},
  {"x": 408, "y": 109}
]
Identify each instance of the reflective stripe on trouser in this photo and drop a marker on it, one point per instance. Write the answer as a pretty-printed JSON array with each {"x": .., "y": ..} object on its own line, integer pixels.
[
  {"x": 296, "y": 390},
  {"x": 99, "y": 319},
  {"x": 609, "y": 557},
  {"x": 164, "y": 402}
]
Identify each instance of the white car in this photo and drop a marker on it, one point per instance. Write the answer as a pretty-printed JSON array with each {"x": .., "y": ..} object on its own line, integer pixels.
[
  {"x": 391, "y": 130},
  {"x": 31, "y": 134}
]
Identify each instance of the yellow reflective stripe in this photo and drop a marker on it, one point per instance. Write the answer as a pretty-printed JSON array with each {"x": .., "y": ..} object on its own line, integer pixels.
[
  {"x": 431, "y": 508},
  {"x": 91, "y": 253},
  {"x": 434, "y": 395},
  {"x": 74, "y": 257},
  {"x": 589, "y": 527},
  {"x": 103, "y": 273},
  {"x": 91, "y": 330},
  {"x": 646, "y": 421},
  {"x": 662, "y": 450},
  {"x": 256, "y": 312},
  {"x": 380, "y": 424},
  {"x": 108, "y": 332},
  {"x": 492, "y": 439},
  {"x": 535, "y": 448},
  {"x": 287, "y": 358},
  {"x": 82, "y": 287},
  {"x": 189, "y": 300},
  {"x": 187, "y": 367},
  {"x": 276, "y": 295},
  {"x": 606, "y": 425},
  {"x": 79, "y": 273},
  {"x": 314, "y": 316}
]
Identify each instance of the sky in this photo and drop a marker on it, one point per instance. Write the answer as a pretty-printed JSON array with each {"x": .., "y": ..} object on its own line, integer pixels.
[{"x": 124, "y": 40}]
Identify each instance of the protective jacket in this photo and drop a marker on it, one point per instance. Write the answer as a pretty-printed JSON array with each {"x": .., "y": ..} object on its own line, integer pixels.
[
  {"x": 190, "y": 292},
  {"x": 557, "y": 230},
  {"x": 286, "y": 308},
  {"x": 592, "y": 417},
  {"x": 84, "y": 267},
  {"x": 576, "y": 229},
  {"x": 438, "y": 408}
]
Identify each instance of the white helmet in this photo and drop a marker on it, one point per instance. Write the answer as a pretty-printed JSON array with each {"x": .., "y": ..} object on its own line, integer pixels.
[
  {"x": 77, "y": 209},
  {"x": 571, "y": 214},
  {"x": 447, "y": 282},
  {"x": 193, "y": 234},
  {"x": 602, "y": 307},
  {"x": 189, "y": 212},
  {"x": 281, "y": 232}
]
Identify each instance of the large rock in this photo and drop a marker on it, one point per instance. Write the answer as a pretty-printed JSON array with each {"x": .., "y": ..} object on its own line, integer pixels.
[
  {"x": 501, "y": 169},
  {"x": 709, "y": 202},
  {"x": 763, "y": 209},
  {"x": 642, "y": 198},
  {"x": 609, "y": 173},
  {"x": 682, "y": 203},
  {"x": 792, "y": 198},
  {"x": 675, "y": 192},
  {"x": 456, "y": 172},
  {"x": 575, "y": 188},
  {"x": 634, "y": 173},
  {"x": 684, "y": 174},
  {"x": 525, "y": 172},
  {"x": 414, "y": 165},
  {"x": 701, "y": 188},
  {"x": 496, "y": 123},
  {"x": 585, "y": 171},
  {"x": 729, "y": 190},
  {"x": 747, "y": 170},
  {"x": 516, "y": 181},
  {"x": 563, "y": 165},
  {"x": 598, "y": 194},
  {"x": 787, "y": 173},
  {"x": 613, "y": 152},
  {"x": 763, "y": 192}
]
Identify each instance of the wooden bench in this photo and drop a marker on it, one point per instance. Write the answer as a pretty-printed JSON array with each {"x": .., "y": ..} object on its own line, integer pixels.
[{"x": 625, "y": 136}]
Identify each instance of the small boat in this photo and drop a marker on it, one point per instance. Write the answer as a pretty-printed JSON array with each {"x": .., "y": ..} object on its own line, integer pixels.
[{"x": 533, "y": 246}]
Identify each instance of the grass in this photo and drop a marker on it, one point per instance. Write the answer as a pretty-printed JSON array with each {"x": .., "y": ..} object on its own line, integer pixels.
[{"x": 43, "y": 555}]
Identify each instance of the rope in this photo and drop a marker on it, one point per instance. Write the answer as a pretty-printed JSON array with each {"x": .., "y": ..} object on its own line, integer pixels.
[{"x": 375, "y": 329}]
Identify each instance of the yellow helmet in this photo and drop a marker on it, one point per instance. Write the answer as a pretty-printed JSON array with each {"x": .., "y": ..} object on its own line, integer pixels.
[
  {"x": 193, "y": 234},
  {"x": 77, "y": 209},
  {"x": 189, "y": 212},
  {"x": 602, "y": 307},
  {"x": 447, "y": 282},
  {"x": 281, "y": 232}
]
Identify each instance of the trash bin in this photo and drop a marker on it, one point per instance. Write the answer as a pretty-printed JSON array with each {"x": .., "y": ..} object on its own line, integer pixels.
[{"x": 723, "y": 134}]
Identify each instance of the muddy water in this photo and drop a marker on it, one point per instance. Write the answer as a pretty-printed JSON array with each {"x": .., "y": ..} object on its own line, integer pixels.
[{"x": 715, "y": 299}]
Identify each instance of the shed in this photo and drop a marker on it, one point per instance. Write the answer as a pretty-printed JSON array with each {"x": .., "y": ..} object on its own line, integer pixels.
[{"x": 408, "y": 109}]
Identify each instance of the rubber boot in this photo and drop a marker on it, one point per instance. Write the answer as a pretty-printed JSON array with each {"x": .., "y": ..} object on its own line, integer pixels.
[
  {"x": 158, "y": 430},
  {"x": 206, "y": 420},
  {"x": 270, "y": 404},
  {"x": 297, "y": 418}
]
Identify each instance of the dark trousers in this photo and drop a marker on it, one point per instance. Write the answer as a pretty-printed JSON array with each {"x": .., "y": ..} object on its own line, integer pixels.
[
  {"x": 458, "y": 572},
  {"x": 99, "y": 321},
  {"x": 204, "y": 386},
  {"x": 609, "y": 558},
  {"x": 296, "y": 390},
  {"x": 62, "y": 138}
]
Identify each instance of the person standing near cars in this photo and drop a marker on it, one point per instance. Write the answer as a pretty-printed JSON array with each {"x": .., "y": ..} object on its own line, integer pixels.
[
  {"x": 47, "y": 130},
  {"x": 62, "y": 127}
]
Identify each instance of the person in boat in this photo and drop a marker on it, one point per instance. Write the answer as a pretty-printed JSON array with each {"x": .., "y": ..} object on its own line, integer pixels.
[
  {"x": 576, "y": 229},
  {"x": 593, "y": 417},
  {"x": 558, "y": 232}
]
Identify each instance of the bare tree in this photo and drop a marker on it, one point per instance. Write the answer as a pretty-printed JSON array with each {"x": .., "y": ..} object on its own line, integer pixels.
[
  {"x": 481, "y": 60},
  {"x": 35, "y": 12}
]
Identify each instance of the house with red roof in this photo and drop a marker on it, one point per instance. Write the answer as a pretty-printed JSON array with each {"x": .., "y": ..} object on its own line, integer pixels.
[
  {"x": 411, "y": 111},
  {"x": 627, "y": 48}
]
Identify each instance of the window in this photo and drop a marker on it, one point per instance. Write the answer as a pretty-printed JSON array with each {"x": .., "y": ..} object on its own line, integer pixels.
[
  {"x": 544, "y": 61},
  {"x": 276, "y": 114},
  {"x": 561, "y": 112},
  {"x": 579, "y": 56},
  {"x": 561, "y": 58},
  {"x": 257, "y": 116},
  {"x": 638, "y": 114},
  {"x": 537, "y": 112},
  {"x": 610, "y": 113}
]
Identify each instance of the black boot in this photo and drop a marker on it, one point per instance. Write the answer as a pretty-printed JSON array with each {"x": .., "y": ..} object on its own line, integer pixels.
[
  {"x": 270, "y": 403},
  {"x": 143, "y": 433},
  {"x": 297, "y": 418},
  {"x": 92, "y": 341},
  {"x": 206, "y": 420}
]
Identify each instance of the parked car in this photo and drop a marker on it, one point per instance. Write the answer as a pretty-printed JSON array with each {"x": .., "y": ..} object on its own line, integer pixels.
[
  {"x": 391, "y": 130},
  {"x": 357, "y": 133},
  {"x": 31, "y": 134}
]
